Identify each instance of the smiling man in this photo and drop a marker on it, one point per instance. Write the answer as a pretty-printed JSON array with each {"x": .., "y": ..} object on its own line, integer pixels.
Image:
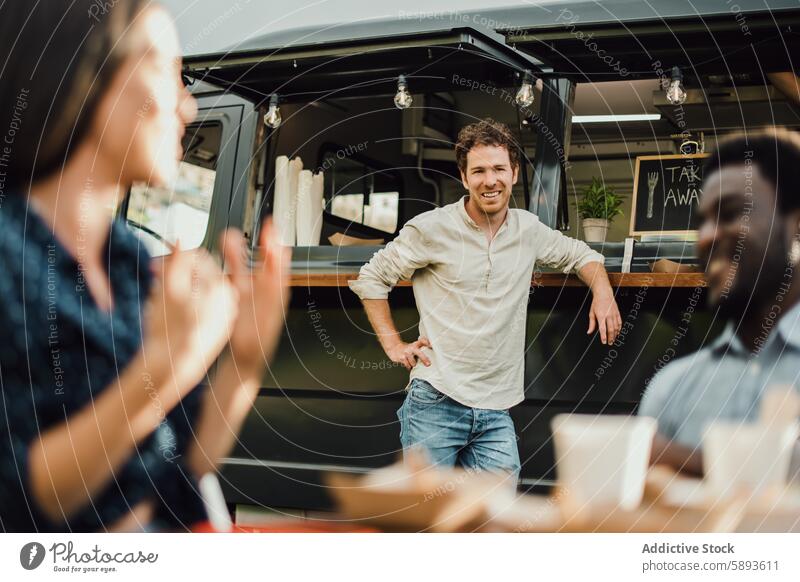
[
  {"x": 471, "y": 264},
  {"x": 748, "y": 240}
]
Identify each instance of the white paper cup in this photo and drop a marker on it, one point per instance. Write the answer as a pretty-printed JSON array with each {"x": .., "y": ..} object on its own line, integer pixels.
[
  {"x": 753, "y": 457},
  {"x": 603, "y": 460}
]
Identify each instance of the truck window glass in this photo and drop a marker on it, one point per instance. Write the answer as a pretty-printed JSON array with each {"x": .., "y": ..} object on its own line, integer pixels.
[
  {"x": 163, "y": 216},
  {"x": 348, "y": 180}
]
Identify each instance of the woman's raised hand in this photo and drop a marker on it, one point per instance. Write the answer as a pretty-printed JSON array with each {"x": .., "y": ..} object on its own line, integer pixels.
[
  {"x": 263, "y": 296},
  {"x": 189, "y": 317}
]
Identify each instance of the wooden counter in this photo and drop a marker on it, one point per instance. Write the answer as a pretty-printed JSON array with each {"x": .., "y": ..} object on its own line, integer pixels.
[{"x": 340, "y": 279}]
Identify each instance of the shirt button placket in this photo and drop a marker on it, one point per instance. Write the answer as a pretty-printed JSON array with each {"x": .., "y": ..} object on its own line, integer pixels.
[{"x": 488, "y": 266}]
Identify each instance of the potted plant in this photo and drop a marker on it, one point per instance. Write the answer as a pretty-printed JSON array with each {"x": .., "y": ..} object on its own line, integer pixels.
[{"x": 598, "y": 206}]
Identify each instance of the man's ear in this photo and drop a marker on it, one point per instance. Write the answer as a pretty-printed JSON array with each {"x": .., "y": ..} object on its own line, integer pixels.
[
  {"x": 464, "y": 180},
  {"x": 515, "y": 175}
]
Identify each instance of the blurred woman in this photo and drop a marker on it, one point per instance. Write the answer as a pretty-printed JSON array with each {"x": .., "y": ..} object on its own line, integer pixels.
[{"x": 102, "y": 423}]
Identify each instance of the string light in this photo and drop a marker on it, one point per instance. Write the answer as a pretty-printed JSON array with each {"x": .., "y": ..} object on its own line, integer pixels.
[
  {"x": 402, "y": 99},
  {"x": 525, "y": 94},
  {"x": 273, "y": 115},
  {"x": 676, "y": 94}
]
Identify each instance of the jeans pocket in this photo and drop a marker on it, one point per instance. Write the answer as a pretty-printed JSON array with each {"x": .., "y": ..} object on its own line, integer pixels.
[{"x": 421, "y": 392}]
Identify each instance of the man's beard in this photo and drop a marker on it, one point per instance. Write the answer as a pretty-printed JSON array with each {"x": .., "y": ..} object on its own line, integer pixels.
[{"x": 749, "y": 295}]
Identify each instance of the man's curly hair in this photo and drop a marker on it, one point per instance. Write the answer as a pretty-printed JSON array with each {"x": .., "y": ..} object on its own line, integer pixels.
[{"x": 485, "y": 132}]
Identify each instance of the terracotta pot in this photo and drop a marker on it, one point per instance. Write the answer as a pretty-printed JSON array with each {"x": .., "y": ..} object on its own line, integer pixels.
[{"x": 595, "y": 229}]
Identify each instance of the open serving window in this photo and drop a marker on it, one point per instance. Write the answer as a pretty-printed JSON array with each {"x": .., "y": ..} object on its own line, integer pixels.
[{"x": 360, "y": 121}]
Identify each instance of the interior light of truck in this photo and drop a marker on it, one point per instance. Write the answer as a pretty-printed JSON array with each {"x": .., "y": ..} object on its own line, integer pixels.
[
  {"x": 273, "y": 115},
  {"x": 619, "y": 118},
  {"x": 524, "y": 96},
  {"x": 402, "y": 98},
  {"x": 676, "y": 94}
]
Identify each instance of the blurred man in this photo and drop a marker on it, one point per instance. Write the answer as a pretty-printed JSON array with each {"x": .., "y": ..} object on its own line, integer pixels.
[
  {"x": 748, "y": 242},
  {"x": 471, "y": 264}
]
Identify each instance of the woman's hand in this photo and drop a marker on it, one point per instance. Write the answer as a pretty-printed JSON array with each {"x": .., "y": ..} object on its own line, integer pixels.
[
  {"x": 189, "y": 317},
  {"x": 263, "y": 296}
]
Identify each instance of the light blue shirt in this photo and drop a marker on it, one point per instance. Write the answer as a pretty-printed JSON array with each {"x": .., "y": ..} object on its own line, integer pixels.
[{"x": 723, "y": 380}]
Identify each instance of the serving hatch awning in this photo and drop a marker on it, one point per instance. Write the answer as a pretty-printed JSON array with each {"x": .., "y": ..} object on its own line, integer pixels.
[{"x": 362, "y": 59}]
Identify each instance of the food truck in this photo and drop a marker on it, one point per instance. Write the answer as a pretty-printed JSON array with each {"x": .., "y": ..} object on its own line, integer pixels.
[{"x": 344, "y": 133}]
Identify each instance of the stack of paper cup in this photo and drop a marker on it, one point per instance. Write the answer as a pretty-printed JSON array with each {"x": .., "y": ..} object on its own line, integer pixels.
[
  {"x": 285, "y": 207},
  {"x": 603, "y": 460},
  {"x": 309, "y": 208},
  {"x": 297, "y": 212}
]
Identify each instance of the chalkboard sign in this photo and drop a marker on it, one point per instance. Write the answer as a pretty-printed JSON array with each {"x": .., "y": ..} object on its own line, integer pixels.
[{"x": 666, "y": 192}]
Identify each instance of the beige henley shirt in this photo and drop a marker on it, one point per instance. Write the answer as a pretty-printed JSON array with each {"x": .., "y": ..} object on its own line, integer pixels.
[{"x": 472, "y": 295}]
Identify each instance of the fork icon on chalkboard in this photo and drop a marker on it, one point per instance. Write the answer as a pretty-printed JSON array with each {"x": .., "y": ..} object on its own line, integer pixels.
[{"x": 652, "y": 180}]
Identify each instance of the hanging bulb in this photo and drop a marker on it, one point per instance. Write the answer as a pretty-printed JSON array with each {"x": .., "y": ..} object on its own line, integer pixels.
[
  {"x": 676, "y": 94},
  {"x": 402, "y": 99},
  {"x": 273, "y": 115},
  {"x": 525, "y": 94}
]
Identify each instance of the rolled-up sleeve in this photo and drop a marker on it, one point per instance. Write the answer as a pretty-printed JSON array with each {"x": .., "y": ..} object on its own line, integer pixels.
[
  {"x": 564, "y": 253},
  {"x": 395, "y": 262}
]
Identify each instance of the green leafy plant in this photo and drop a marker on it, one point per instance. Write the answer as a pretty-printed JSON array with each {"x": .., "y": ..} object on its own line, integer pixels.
[{"x": 599, "y": 201}]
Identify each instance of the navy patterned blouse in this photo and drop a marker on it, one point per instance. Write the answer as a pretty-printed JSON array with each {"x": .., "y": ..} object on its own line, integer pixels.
[{"x": 58, "y": 351}]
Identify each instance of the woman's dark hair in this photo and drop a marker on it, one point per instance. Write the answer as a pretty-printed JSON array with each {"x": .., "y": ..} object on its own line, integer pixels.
[
  {"x": 57, "y": 57},
  {"x": 775, "y": 151}
]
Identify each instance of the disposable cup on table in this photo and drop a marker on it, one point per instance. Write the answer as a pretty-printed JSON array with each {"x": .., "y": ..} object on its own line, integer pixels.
[
  {"x": 603, "y": 460},
  {"x": 747, "y": 457}
]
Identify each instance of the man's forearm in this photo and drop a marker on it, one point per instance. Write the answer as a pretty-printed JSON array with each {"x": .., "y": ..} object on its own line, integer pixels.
[
  {"x": 380, "y": 318},
  {"x": 596, "y": 278}
]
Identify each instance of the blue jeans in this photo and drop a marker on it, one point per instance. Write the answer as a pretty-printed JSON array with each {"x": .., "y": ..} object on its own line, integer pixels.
[{"x": 454, "y": 434}]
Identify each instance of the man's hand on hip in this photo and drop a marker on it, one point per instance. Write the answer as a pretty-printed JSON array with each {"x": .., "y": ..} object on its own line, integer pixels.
[
  {"x": 408, "y": 353},
  {"x": 604, "y": 315}
]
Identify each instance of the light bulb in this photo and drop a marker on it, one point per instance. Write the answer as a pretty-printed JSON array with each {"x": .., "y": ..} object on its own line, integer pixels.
[
  {"x": 402, "y": 99},
  {"x": 676, "y": 94},
  {"x": 273, "y": 115},
  {"x": 525, "y": 94}
]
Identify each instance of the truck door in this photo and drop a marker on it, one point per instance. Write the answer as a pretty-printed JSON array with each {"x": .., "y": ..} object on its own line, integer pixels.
[{"x": 211, "y": 186}]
